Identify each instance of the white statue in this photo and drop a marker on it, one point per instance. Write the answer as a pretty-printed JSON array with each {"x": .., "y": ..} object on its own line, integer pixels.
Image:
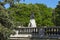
[{"x": 32, "y": 21}]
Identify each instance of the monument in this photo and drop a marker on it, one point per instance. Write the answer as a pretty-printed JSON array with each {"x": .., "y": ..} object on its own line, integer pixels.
[{"x": 32, "y": 22}]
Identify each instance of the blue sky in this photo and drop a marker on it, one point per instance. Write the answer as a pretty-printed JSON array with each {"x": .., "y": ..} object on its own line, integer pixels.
[{"x": 49, "y": 3}]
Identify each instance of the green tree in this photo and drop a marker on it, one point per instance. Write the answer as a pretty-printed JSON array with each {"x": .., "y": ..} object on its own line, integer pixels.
[
  {"x": 57, "y": 14},
  {"x": 21, "y": 14},
  {"x": 6, "y": 24}
]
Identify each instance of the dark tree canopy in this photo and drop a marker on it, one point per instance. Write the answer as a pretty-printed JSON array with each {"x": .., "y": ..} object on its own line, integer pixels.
[
  {"x": 6, "y": 24},
  {"x": 57, "y": 14}
]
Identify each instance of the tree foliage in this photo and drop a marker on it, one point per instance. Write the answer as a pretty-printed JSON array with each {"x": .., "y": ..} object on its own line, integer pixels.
[
  {"x": 6, "y": 24},
  {"x": 21, "y": 14},
  {"x": 57, "y": 15}
]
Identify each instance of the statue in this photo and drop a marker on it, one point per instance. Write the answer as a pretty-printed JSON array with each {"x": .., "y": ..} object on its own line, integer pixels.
[{"x": 32, "y": 21}]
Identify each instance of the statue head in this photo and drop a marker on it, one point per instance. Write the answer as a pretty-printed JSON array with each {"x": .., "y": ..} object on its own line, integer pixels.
[{"x": 32, "y": 15}]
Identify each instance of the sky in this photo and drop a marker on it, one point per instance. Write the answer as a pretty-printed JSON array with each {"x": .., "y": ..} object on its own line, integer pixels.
[{"x": 49, "y": 3}]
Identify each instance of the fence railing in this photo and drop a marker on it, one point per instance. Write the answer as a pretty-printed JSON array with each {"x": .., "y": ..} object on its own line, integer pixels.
[{"x": 49, "y": 32}]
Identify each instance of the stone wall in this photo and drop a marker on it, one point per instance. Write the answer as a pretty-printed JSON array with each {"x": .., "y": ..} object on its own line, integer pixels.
[
  {"x": 33, "y": 33},
  {"x": 20, "y": 39},
  {"x": 32, "y": 39}
]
